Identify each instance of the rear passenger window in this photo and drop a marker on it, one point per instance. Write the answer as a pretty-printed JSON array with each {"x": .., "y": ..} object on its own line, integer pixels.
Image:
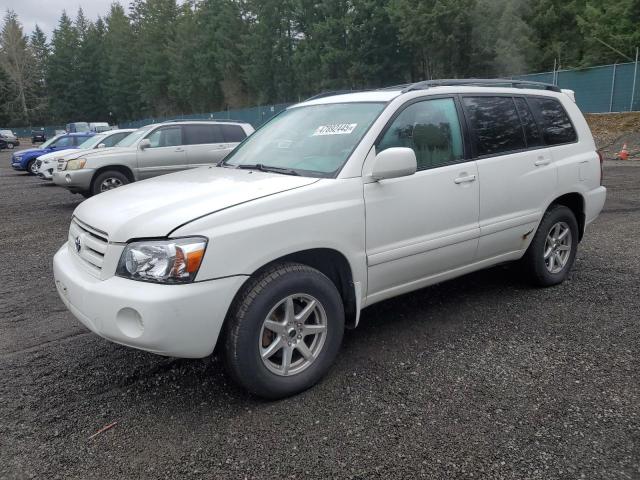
[
  {"x": 496, "y": 124},
  {"x": 201, "y": 134},
  {"x": 554, "y": 121},
  {"x": 431, "y": 128},
  {"x": 529, "y": 125},
  {"x": 233, "y": 133}
]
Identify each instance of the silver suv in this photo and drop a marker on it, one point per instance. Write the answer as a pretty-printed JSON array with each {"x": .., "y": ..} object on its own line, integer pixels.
[{"x": 150, "y": 151}]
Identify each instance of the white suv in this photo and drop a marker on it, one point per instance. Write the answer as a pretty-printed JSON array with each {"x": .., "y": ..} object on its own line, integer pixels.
[{"x": 338, "y": 203}]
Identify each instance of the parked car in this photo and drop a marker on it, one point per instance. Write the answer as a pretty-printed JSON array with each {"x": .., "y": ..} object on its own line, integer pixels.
[
  {"x": 26, "y": 159},
  {"x": 38, "y": 136},
  {"x": 46, "y": 164},
  {"x": 99, "y": 127},
  {"x": 337, "y": 203},
  {"x": 8, "y": 139},
  {"x": 76, "y": 127},
  {"x": 150, "y": 151}
]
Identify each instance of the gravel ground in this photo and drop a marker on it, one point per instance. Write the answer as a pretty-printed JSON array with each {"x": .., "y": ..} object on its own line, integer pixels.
[{"x": 480, "y": 377}]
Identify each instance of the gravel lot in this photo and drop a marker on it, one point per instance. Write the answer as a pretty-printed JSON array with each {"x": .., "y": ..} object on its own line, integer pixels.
[{"x": 480, "y": 377}]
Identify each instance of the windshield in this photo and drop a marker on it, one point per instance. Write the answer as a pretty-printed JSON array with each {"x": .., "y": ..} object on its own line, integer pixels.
[
  {"x": 91, "y": 142},
  {"x": 50, "y": 141},
  {"x": 133, "y": 137},
  {"x": 79, "y": 126},
  {"x": 314, "y": 140}
]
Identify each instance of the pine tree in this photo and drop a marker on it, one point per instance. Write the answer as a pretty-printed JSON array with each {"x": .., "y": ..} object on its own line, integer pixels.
[
  {"x": 39, "y": 96},
  {"x": 62, "y": 78}
]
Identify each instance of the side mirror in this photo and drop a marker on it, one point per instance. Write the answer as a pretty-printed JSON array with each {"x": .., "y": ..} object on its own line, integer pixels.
[
  {"x": 101, "y": 145},
  {"x": 393, "y": 163},
  {"x": 145, "y": 143}
]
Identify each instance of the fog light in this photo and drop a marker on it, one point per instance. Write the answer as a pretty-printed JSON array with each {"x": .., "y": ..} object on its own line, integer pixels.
[{"x": 129, "y": 322}]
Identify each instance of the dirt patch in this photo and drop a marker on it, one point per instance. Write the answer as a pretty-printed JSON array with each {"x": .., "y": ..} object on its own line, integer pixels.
[{"x": 612, "y": 130}]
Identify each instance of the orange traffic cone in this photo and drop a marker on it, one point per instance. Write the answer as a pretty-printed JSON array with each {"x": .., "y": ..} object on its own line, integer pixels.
[{"x": 624, "y": 153}]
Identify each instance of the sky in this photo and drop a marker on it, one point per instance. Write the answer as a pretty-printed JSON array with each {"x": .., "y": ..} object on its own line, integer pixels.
[{"x": 46, "y": 13}]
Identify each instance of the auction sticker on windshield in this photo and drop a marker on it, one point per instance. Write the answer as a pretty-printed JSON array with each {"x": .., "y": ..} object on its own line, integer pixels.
[{"x": 335, "y": 129}]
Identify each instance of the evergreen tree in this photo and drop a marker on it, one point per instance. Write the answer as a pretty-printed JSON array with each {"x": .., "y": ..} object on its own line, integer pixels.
[
  {"x": 62, "y": 78},
  {"x": 39, "y": 97}
]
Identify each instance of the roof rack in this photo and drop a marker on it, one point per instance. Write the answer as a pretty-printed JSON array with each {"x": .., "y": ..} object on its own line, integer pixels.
[
  {"x": 479, "y": 82},
  {"x": 331, "y": 93},
  {"x": 228, "y": 120}
]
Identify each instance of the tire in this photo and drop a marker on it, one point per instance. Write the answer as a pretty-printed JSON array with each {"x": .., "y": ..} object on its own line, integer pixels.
[
  {"x": 546, "y": 269},
  {"x": 113, "y": 177},
  {"x": 10, "y": 146},
  {"x": 30, "y": 167},
  {"x": 248, "y": 338}
]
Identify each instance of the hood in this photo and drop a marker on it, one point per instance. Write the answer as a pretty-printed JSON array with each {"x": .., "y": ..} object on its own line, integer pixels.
[
  {"x": 31, "y": 151},
  {"x": 57, "y": 154},
  {"x": 155, "y": 207}
]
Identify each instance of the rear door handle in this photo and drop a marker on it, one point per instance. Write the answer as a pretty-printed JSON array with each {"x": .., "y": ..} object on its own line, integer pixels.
[
  {"x": 542, "y": 161},
  {"x": 179, "y": 149},
  {"x": 465, "y": 179}
]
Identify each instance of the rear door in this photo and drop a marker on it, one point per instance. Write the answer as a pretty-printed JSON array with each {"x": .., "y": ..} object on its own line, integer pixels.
[
  {"x": 517, "y": 174},
  {"x": 166, "y": 153},
  {"x": 205, "y": 144}
]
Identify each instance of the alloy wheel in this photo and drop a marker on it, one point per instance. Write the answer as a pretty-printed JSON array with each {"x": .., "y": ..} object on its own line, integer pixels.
[
  {"x": 293, "y": 334},
  {"x": 557, "y": 247}
]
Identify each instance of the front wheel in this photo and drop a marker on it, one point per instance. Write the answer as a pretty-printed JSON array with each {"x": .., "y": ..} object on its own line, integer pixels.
[
  {"x": 553, "y": 248},
  {"x": 32, "y": 168},
  {"x": 284, "y": 330},
  {"x": 108, "y": 181}
]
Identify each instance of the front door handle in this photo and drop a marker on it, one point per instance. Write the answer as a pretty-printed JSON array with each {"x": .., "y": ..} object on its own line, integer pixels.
[
  {"x": 542, "y": 161},
  {"x": 465, "y": 179},
  {"x": 179, "y": 149}
]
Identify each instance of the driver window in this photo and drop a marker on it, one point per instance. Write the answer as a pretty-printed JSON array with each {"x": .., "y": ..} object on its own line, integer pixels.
[
  {"x": 166, "y": 137},
  {"x": 432, "y": 129}
]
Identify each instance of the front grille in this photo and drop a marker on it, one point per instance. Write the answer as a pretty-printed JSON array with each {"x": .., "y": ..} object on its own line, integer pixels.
[
  {"x": 89, "y": 244},
  {"x": 61, "y": 164}
]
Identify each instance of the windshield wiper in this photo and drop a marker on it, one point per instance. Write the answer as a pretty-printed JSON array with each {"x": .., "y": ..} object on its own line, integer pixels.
[{"x": 268, "y": 168}]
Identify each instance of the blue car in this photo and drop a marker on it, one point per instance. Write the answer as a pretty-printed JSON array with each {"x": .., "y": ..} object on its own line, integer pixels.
[{"x": 25, "y": 160}]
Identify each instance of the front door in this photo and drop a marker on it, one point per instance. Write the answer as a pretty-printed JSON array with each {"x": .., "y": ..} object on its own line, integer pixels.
[
  {"x": 423, "y": 225},
  {"x": 166, "y": 153}
]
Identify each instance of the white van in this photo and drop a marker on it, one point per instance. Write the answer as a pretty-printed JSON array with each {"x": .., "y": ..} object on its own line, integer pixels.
[{"x": 337, "y": 203}]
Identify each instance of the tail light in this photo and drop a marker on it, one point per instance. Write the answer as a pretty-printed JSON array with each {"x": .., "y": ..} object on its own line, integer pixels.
[{"x": 601, "y": 168}]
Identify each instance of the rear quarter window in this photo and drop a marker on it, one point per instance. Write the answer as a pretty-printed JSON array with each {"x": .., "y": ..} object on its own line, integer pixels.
[
  {"x": 233, "y": 133},
  {"x": 554, "y": 121}
]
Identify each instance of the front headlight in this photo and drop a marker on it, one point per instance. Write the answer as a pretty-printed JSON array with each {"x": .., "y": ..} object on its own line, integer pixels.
[
  {"x": 163, "y": 261},
  {"x": 76, "y": 164}
]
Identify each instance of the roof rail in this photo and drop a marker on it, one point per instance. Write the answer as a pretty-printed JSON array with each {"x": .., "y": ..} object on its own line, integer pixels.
[
  {"x": 228, "y": 120},
  {"x": 480, "y": 82},
  {"x": 331, "y": 93}
]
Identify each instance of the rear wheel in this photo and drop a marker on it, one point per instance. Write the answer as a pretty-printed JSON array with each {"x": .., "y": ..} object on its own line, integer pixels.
[
  {"x": 10, "y": 146},
  {"x": 108, "y": 181},
  {"x": 284, "y": 331},
  {"x": 553, "y": 249}
]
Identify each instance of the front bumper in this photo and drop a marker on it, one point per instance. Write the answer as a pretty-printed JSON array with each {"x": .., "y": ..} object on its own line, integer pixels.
[
  {"x": 173, "y": 320},
  {"x": 75, "y": 180},
  {"x": 17, "y": 165},
  {"x": 46, "y": 172}
]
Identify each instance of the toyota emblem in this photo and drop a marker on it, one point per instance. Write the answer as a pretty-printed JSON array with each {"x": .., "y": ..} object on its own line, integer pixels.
[{"x": 78, "y": 244}]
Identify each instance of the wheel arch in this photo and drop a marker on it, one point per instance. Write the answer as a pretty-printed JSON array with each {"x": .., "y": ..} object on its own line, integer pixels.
[
  {"x": 575, "y": 202},
  {"x": 331, "y": 263},
  {"x": 118, "y": 168}
]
